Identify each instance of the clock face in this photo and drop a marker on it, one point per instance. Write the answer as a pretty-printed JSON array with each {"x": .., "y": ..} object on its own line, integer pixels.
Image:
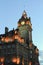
[{"x": 23, "y": 22}]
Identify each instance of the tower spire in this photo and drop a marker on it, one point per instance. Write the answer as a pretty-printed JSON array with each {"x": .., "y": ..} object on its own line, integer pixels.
[{"x": 24, "y": 14}]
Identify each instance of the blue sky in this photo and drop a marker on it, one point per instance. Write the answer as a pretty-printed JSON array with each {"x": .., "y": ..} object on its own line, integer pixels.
[{"x": 11, "y": 11}]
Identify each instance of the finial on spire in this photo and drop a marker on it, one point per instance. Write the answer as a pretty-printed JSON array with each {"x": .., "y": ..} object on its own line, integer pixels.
[{"x": 24, "y": 14}]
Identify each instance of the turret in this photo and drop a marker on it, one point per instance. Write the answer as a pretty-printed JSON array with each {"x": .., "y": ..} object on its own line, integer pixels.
[{"x": 6, "y": 30}]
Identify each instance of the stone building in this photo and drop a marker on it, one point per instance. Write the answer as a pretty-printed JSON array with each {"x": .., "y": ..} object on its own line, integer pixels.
[{"x": 16, "y": 46}]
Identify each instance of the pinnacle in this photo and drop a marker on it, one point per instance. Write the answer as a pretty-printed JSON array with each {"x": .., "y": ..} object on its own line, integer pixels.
[{"x": 24, "y": 13}]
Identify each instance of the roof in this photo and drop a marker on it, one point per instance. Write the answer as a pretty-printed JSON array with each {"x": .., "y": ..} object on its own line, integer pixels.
[{"x": 24, "y": 17}]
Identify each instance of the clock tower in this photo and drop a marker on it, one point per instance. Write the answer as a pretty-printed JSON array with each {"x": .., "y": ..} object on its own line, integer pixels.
[{"x": 25, "y": 27}]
